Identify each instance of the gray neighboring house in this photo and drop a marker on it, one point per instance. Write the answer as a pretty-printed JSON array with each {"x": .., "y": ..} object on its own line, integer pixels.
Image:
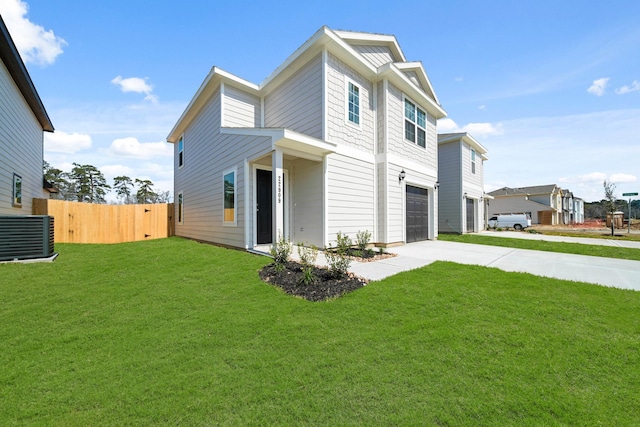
[
  {"x": 542, "y": 202},
  {"x": 461, "y": 197},
  {"x": 339, "y": 138},
  {"x": 23, "y": 119}
]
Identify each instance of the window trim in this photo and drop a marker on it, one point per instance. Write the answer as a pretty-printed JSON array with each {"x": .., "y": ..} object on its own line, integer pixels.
[
  {"x": 233, "y": 223},
  {"x": 181, "y": 152},
  {"x": 414, "y": 122},
  {"x": 180, "y": 208},
  {"x": 16, "y": 187},
  {"x": 347, "y": 103}
]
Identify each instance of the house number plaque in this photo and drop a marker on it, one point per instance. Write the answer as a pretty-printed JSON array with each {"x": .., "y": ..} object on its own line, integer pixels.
[{"x": 279, "y": 188}]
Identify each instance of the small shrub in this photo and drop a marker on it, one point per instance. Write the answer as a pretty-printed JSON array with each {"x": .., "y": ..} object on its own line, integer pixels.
[
  {"x": 280, "y": 252},
  {"x": 380, "y": 250},
  {"x": 308, "y": 256},
  {"x": 362, "y": 240},
  {"x": 337, "y": 257}
]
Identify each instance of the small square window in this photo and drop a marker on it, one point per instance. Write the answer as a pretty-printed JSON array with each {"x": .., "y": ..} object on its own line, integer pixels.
[{"x": 17, "y": 191}]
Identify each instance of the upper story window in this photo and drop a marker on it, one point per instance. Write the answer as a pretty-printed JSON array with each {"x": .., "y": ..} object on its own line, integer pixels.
[
  {"x": 353, "y": 103},
  {"x": 181, "y": 152},
  {"x": 473, "y": 161},
  {"x": 415, "y": 124}
]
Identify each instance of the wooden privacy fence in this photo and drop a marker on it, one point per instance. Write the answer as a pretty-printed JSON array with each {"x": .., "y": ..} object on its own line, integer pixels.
[{"x": 77, "y": 222}]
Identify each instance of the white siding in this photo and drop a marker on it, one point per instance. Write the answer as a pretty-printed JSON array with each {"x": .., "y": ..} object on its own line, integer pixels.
[
  {"x": 411, "y": 75},
  {"x": 297, "y": 103},
  {"x": 449, "y": 193},
  {"x": 350, "y": 196},
  {"x": 471, "y": 179},
  {"x": 395, "y": 208},
  {"x": 516, "y": 205},
  {"x": 382, "y": 202},
  {"x": 377, "y": 55},
  {"x": 21, "y": 145},
  {"x": 396, "y": 142},
  {"x": 240, "y": 108},
  {"x": 207, "y": 154},
  {"x": 307, "y": 183},
  {"x": 339, "y": 131},
  {"x": 381, "y": 111}
]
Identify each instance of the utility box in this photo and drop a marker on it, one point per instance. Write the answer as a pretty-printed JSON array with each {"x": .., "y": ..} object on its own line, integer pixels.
[{"x": 617, "y": 218}]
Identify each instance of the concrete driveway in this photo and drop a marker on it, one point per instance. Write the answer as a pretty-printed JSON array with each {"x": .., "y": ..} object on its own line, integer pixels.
[{"x": 610, "y": 272}]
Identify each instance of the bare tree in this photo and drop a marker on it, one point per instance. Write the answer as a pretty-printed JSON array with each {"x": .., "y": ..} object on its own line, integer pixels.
[{"x": 610, "y": 200}]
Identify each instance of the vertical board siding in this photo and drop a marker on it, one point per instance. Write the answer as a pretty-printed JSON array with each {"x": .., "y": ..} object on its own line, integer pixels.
[
  {"x": 21, "y": 147},
  {"x": 396, "y": 142},
  {"x": 449, "y": 196},
  {"x": 339, "y": 131},
  {"x": 307, "y": 211},
  {"x": 350, "y": 196},
  {"x": 241, "y": 108},
  {"x": 377, "y": 55},
  {"x": 297, "y": 103}
]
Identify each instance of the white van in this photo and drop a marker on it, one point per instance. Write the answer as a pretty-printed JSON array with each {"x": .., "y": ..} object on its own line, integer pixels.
[{"x": 515, "y": 221}]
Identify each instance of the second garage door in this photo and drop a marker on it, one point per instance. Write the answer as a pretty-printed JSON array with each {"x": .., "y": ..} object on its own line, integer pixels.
[{"x": 417, "y": 210}]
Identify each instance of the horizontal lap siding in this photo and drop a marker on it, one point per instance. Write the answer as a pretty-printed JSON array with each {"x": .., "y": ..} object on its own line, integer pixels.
[
  {"x": 473, "y": 180},
  {"x": 240, "y": 108},
  {"x": 449, "y": 196},
  {"x": 350, "y": 196},
  {"x": 382, "y": 202},
  {"x": 297, "y": 103},
  {"x": 21, "y": 146},
  {"x": 207, "y": 155},
  {"x": 377, "y": 55},
  {"x": 395, "y": 199},
  {"x": 308, "y": 200},
  {"x": 339, "y": 130}
]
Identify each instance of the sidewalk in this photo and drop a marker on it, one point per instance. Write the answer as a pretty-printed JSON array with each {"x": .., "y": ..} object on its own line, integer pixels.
[{"x": 582, "y": 240}]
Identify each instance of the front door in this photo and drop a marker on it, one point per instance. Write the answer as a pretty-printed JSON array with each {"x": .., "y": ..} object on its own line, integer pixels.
[
  {"x": 264, "y": 219},
  {"x": 471, "y": 216}
]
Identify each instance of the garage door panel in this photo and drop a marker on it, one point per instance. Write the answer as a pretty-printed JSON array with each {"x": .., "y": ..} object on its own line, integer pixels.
[{"x": 417, "y": 213}]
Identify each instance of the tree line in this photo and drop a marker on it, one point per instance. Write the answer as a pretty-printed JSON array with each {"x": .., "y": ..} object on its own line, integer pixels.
[{"x": 85, "y": 183}]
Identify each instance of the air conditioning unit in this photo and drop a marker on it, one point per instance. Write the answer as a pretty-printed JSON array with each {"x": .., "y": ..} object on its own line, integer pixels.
[{"x": 26, "y": 237}]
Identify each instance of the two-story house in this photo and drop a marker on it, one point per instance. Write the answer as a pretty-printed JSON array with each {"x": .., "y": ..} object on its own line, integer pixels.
[
  {"x": 23, "y": 119},
  {"x": 461, "y": 198},
  {"x": 341, "y": 137},
  {"x": 542, "y": 202}
]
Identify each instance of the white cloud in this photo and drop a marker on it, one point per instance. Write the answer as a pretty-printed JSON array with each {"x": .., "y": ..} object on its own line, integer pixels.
[
  {"x": 132, "y": 148},
  {"x": 35, "y": 44},
  {"x": 483, "y": 129},
  {"x": 68, "y": 143},
  {"x": 623, "y": 178},
  {"x": 482, "y": 107},
  {"x": 592, "y": 177},
  {"x": 136, "y": 85},
  {"x": 599, "y": 86},
  {"x": 635, "y": 87},
  {"x": 447, "y": 126}
]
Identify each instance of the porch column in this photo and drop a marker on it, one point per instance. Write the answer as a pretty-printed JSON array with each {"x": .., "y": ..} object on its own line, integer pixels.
[{"x": 278, "y": 194}]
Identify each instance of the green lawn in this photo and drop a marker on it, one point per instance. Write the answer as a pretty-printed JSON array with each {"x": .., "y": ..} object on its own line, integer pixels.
[
  {"x": 541, "y": 245},
  {"x": 173, "y": 332}
]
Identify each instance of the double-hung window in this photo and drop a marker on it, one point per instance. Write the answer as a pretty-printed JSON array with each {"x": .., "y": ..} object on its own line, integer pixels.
[
  {"x": 181, "y": 152},
  {"x": 229, "y": 179},
  {"x": 353, "y": 103},
  {"x": 415, "y": 124},
  {"x": 473, "y": 161}
]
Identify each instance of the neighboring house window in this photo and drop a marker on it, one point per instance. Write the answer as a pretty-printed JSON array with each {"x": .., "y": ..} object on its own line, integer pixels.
[
  {"x": 353, "y": 103},
  {"x": 415, "y": 124},
  {"x": 229, "y": 179},
  {"x": 180, "y": 208},
  {"x": 17, "y": 191},
  {"x": 473, "y": 161},
  {"x": 181, "y": 152}
]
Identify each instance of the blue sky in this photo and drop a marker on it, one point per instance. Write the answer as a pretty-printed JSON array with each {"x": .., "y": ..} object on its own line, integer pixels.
[{"x": 551, "y": 89}]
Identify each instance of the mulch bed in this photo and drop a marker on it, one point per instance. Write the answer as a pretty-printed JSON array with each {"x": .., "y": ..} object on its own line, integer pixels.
[{"x": 324, "y": 287}]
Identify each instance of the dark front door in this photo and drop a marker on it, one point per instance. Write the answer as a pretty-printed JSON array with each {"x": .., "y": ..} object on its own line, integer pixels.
[
  {"x": 471, "y": 216},
  {"x": 264, "y": 222},
  {"x": 417, "y": 210}
]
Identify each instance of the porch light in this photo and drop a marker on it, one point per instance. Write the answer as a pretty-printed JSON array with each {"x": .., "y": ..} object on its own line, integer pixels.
[
  {"x": 437, "y": 184},
  {"x": 401, "y": 176},
  {"x": 465, "y": 195}
]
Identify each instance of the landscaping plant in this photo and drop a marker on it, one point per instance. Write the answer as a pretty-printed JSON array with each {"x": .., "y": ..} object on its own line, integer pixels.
[
  {"x": 338, "y": 257},
  {"x": 362, "y": 240},
  {"x": 308, "y": 256},
  {"x": 280, "y": 252}
]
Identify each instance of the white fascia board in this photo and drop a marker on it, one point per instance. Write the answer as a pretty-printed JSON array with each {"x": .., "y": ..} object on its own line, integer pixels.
[
  {"x": 373, "y": 39},
  {"x": 397, "y": 77},
  {"x": 213, "y": 79},
  {"x": 285, "y": 138},
  {"x": 422, "y": 75}
]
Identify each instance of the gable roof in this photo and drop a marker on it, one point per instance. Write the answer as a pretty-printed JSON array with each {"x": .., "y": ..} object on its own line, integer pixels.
[
  {"x": 536, "y": 189},
  {"x": 445, "y": 138},
  {"x": 12, "y": 60},
  {"x": 336, "y": 42}
]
